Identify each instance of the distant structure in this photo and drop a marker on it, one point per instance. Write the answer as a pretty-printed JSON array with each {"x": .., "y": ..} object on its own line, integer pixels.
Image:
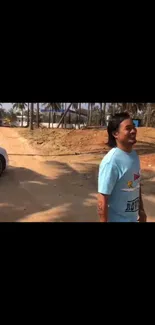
[{"x": 19, "y": 121}]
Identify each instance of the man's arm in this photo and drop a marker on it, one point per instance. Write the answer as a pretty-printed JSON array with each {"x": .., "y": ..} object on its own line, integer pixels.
[
  {"x": 108, "y": 176},
  {"x": 102, "y": 207},
  {"x": 142, "y": 214}
]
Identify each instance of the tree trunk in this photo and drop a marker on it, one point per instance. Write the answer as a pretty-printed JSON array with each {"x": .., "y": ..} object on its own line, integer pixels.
[
  {"x": 123, "y": 107},
  {"x": 22, "y": 117},
  {"x": 76, "y": 116},
  {"x": 49, "y": 118},
  {"x": 128, "y": 107},
  {"x": 31, "y": 118},
  {"x": 37, "y": 117},
  {"x": 104, "y": 113},
  {"x": 79, "y": 115},
  {"x": 52, "y": 117},
  {"x": 63, "y": 120},
  {"x": 64, "y": 115},
  {"x": 101, "y": 119},
  {"x": 90, "y": 114},
  {"x": 148, "y": 115},
  {"x": 28, "y": 115},
  {"x": 113, "y": 109},
  {"x": 69, "y": 117},
  {"x": 130, "y": 111}
]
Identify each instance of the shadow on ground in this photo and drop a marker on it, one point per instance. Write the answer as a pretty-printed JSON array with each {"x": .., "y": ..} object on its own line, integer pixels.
[
  {"x": 67, "y": 196},
  {"x": 70, "y": 196}
]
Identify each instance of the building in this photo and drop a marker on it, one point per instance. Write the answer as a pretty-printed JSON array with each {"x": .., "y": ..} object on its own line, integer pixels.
[{"x": 19, "y": 121}]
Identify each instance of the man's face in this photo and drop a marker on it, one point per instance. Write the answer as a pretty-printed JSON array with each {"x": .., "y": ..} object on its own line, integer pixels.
[{"x": 126, "y": 133}]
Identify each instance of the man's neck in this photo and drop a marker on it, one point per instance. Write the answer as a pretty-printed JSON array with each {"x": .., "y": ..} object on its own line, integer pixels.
[{"x": 124, "y": 148}]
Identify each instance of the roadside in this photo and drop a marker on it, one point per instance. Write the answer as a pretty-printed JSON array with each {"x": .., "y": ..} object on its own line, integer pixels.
[
  {"x": 66, "y": 145},
  {"x": 56, "y": 188},
  {"x": 35, "y": 190}
]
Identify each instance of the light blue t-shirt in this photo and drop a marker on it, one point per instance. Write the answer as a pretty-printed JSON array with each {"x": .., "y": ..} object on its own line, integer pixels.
[{"x": 119, "y": 177}]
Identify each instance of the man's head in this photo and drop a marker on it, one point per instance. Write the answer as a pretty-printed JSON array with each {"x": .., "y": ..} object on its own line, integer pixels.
[{"x": 121, "y": 131}]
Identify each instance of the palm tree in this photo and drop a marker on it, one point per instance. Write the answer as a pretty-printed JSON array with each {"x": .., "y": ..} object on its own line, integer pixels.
[
  {"x": 148, "y": 114},
  {"x": 90, "y": 112},
  {"x": 28, "y": 114},
  {"x": 152, "y": 115},
  {"x": 20, "y": 106},
  {"x": 79, "y": 115},
  {"x": 56, "y": 108},
  {"x": 31, "y": 116},
  {"x": 37, "y": 115},
  {"x": 52, "y": 107},
  {"x": 11, "y": 115},
  {"x": 2, "y": 115},
  {"x": 104, "y": 114},
  {"x": 75, "y": 106},
  {"x": 101, "y": 119},
  {"x": 63, "y": 116},
  {"x": 69, "y": 117}
]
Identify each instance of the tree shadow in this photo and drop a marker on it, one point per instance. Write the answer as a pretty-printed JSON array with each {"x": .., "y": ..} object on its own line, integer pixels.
[{"x": 68, "y": 196}]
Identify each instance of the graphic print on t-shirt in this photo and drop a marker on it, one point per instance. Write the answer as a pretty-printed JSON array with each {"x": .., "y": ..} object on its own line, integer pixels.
[
  {"x": 133, "y": 206},
  {"x": 130, "y": 184},
  {"x": 136, "y": 176}
]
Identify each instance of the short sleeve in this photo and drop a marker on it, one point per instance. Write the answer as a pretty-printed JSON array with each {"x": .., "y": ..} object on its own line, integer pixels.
[{"x": 108, "y": 175}]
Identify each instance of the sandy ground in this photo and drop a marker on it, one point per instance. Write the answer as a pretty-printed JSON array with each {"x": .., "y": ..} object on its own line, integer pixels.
[
  {"x": 58, "y": 188},
  {"x": 64, "y": 141},
  {"x": 36, "y": 190}
]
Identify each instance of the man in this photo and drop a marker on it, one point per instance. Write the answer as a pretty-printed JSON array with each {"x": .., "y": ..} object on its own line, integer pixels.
[{"x": 119, "y": 192}]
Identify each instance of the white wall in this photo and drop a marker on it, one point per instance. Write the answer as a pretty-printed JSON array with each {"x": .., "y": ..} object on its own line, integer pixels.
[
  {"x": 19, "y": 121},
  {"x": 68, "y": 126}
]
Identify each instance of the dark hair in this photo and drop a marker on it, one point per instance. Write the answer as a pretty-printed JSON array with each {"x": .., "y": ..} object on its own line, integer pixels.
[{"x": 113, "y": 126}]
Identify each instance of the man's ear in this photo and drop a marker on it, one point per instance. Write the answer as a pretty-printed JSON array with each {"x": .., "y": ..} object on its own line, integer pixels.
[{"x": 115, "y": 134}]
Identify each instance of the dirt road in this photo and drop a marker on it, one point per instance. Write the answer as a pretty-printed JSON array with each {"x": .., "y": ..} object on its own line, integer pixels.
[{"x": 37, "y": 188}]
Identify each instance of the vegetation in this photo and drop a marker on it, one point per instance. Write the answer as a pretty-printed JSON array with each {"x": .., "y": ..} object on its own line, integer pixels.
[
  {"x": 52, "y": 108},
  {"x": 19, "y": 107},
  {"x": 94, "y": 115}
]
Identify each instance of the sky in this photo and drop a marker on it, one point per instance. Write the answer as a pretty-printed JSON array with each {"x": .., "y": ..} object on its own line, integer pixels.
[{"x": 7, "y": 105}]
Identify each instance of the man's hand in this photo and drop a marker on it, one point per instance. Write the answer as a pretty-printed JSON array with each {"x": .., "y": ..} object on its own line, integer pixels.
[{"x": 102, "y": 207}]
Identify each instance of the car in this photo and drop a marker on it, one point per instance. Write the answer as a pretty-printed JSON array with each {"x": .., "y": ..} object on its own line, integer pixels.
[{"x": 4, "y": 160}]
